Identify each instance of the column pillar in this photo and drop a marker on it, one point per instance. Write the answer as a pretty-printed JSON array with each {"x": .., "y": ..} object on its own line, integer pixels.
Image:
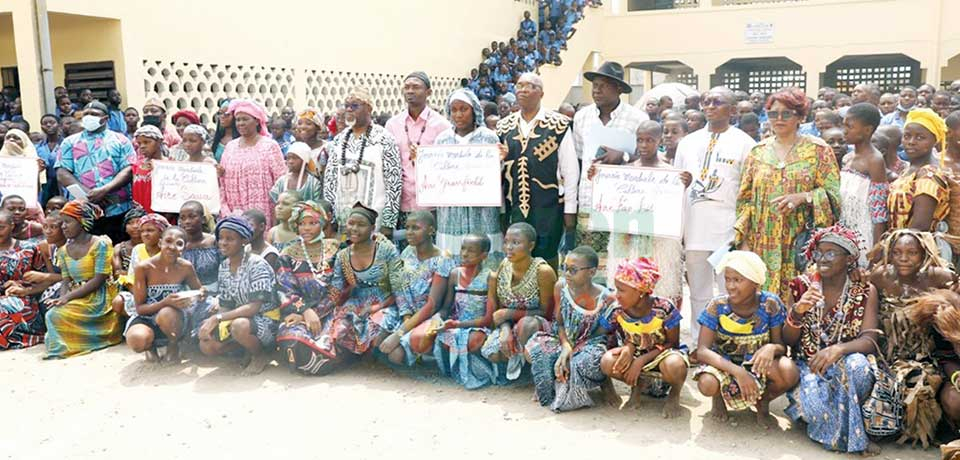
[{"x": 28, "y": 59}]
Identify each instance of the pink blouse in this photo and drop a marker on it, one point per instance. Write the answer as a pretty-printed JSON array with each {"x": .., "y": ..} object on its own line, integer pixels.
[{"x": 249, "y": 172}]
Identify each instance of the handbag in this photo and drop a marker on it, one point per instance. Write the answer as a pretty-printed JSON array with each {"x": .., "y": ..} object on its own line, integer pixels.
[
  {"x": 800, "y": 243},
  {"x": 883, "y": 410}
]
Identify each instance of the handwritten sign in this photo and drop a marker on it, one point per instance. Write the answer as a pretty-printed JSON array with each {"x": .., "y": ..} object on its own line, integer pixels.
[
  {"x": 458, "y": 175},
  {"x": 18, "y": 176},
  {"x": 176, "y": 182},
  {"x": 638, "y": 201}
]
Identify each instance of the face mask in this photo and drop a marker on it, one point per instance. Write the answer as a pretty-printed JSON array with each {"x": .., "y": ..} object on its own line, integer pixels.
[
  {"x": 91, "y": 122},
  {"x": 151, "y": 120}
]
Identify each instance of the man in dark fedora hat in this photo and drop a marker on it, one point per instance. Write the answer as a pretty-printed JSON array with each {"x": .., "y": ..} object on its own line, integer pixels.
[{"x": 607, "y": 111}]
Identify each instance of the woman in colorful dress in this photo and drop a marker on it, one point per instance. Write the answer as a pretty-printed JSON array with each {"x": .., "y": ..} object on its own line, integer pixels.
[
  {"x": 161, "y": 317},
  {"x": 522, "y": 294},
  {"x": 790, "y": 183},
  {"x": 245, "y": 313},
  {"x": 24, "y": 230},
  {"x": 741, "y": 351},
  {"x": 201, "y": 249},
  {"x": 911, "y": 266},
  {"x": 150, "y": 147},
  {"x": 251, "y": 163},
  {"x": 426, "y": 269},
  {"x": 80, "y": 320},
  {"x": 565, "y": 362},
  {"x": 303, "y": 278},
  {"x": 21, "y": 321},
  {"x": 44, "y": 282},
  {"x": 648, "y": 356},
  {"x": 123, "y": 251},
  {"x": 830, "y": 325},
  {"x": 454, "y": 223},
  {"x": 467, "y": 317},
  {"x": 151, "y": 227},
  {"x": 360, "y": 295}
]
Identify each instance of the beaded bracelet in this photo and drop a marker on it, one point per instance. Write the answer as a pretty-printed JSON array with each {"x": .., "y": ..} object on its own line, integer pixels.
[{"x": 790, "y": 321}]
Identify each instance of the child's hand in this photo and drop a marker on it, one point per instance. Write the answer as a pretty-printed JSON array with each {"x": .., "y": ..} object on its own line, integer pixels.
[
  {"x": 748, "y": 385},
  {"x": 501, "y": 316},
  {"x": 763, "y": 359},
  {"x": 624, "y": 359},
  {"x": 633, "y": 374},
  {"x": 562, "y": 367},
  {"x": 450, "y": 324}
]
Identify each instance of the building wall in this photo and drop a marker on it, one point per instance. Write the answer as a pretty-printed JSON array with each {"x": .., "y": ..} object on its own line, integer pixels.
[
  {"x": 8, "y": 51},
  {"x": 812, "y": 33},
  {"x": 371, "y": 42}
]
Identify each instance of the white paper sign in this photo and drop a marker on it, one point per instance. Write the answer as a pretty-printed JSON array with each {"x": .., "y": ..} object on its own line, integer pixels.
[
  {"x": 176, "y": 182},
  {"x": 18, "y": 176},
  {"x": 638, "y": 201},
  {"x": 458, "y": 175},
  {"x": 757, "y": 33}
]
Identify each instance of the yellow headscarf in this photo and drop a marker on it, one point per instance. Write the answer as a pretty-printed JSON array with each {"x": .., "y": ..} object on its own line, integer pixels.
[
  {"x": 748, "y": 264},
  {"x": 930, "y": 120}
]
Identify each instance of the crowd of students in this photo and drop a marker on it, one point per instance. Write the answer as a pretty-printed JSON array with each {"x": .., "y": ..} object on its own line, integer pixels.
[{"x": 820, "y": 269}]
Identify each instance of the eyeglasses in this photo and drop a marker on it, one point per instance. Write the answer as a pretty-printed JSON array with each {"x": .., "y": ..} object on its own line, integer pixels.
[
  {"x": 573, "y": 270},
  {"x": 783, "y": 115},
  {"x": 714, "y": 102},
  {"x": 353, "y": 105},
  {"x": 827, "y": 256}
]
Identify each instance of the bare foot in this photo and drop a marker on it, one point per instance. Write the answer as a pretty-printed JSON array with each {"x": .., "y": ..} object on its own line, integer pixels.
[
  {"x": 873, "y": 450},
  {"x": 764, "y": 419},
  {"x": 719, "y": 410},
  {"x": 671, "y": 407},
  {"x": 172, "y": 356},
  {"x": 256, "y": 365},
  {"x": 610, "y": 395},
  {"x": 152, "y": 356},
  {"x": 636, "y": 398}
]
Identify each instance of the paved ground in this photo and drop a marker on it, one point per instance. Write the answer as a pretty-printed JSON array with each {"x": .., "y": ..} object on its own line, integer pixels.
[{"x": 112, "y": 405}]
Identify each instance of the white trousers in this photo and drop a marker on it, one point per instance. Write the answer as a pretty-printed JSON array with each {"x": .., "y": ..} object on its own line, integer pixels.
[{"x": 701, "y": 278}]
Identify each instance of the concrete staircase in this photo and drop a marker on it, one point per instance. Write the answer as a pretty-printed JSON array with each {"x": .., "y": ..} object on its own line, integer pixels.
[{"x": 577, "y": 58}]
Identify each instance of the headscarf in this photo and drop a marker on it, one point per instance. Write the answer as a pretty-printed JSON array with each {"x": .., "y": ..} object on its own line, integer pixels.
[
  {"x": 839, "y": 235},
  {"x": 238, "y": 224},
  {"x": 641, "y": 274},
  {"x": 156, "y": 102},
  {"x": 198, "y": 130},
  {"x": 156, "y": 220},
  {"x": 467, "y": 96},
  {"x": 252, "y": 108},
  {"x": 365, "y": 212},
  {"x": 419, "y": 75},
  {"x": 10, "y": 149},
  {"x": 149, "y": 131},
  {"x": 930, "y": 120},
  {"x": 312, "y": 115},
  {"x": 928, "y": 244},
  {"x": 135, "y": 213},
  {"x": 307, "y": 208},
  {"x": 308, "y": 164},
  {"x": 84, "y": 211},
  {"x": 190, "y": 115},
  {"x": 361, "y": 94},
  {"x": 747, "y": 264}
]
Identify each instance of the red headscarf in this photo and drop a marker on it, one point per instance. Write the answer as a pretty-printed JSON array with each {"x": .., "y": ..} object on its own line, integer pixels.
[{"x": 188, "y": 114}]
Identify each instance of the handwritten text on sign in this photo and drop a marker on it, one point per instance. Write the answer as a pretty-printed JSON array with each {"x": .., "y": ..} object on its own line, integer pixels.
[
  {"x": 18, "y": 176},
  {"x": 176, "y": 182},
  {"x": 458, "y": 175},
  {"x": 638, "y": 201}
]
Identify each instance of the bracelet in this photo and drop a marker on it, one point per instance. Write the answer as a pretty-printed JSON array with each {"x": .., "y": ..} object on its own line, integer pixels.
[
  {"x": 791, "y": 323},
  {"x": 953, "y": 378}
]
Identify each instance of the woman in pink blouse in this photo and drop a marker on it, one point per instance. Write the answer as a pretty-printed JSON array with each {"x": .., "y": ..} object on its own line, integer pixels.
[{"x": 251, "y": 163}]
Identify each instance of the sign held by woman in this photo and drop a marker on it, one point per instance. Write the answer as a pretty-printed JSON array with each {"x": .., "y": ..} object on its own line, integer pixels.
[{"x": 458, "y": 175}]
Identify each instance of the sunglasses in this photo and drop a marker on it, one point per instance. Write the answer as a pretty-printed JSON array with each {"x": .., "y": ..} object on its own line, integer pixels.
[
  {"x": 714, "y": 102},
  {"x": 784, "y": 115},
  {"x": 827, "y": 256},
  {"x": 573, "y": 270},
  {"x": 353, "y": 105}
]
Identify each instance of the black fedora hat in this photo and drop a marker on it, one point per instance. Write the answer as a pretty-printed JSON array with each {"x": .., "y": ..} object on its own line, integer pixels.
[{"x": 613, "y": 71}]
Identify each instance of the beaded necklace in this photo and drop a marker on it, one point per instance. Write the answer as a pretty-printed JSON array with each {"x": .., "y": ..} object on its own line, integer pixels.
[
  {"x": 306, "y": 256},
  {"x": 353, "y": 167},
  {"x": 406, "y": 131}
]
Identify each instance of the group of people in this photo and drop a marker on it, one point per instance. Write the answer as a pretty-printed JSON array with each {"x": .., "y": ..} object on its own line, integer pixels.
[{"x": 822, "y": 273}]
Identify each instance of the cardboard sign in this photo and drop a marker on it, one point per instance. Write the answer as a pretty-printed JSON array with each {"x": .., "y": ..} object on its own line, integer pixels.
[
  {"x": 458, "y": 175},
  {"x": 19, "y": 176},
  {"x": 176, "y": 182},
  {"x": 638, "y": 201}
]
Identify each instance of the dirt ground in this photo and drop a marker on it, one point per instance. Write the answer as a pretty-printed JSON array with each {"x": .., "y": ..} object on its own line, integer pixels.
[{"x": 113, "y": 405}]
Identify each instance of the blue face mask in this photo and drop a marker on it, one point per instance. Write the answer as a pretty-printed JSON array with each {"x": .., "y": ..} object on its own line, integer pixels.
[{"x": 91, "y": 123}]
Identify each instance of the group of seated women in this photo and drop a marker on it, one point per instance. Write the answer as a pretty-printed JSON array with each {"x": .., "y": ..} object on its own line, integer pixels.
[{"x": 861, "y": 355}]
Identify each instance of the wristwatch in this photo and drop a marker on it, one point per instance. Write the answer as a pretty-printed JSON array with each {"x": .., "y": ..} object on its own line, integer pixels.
[{"x": 219, "y": 317}]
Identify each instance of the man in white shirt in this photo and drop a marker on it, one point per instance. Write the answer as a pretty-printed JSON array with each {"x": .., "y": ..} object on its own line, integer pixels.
[
  {"x": 540, "y": 170},
  {"x": 714, "y": 157},
  {"x": 606, "y": 111}
]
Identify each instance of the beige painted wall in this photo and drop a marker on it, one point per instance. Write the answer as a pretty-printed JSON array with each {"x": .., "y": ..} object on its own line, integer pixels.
[{"x": 8, "y": 51}]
